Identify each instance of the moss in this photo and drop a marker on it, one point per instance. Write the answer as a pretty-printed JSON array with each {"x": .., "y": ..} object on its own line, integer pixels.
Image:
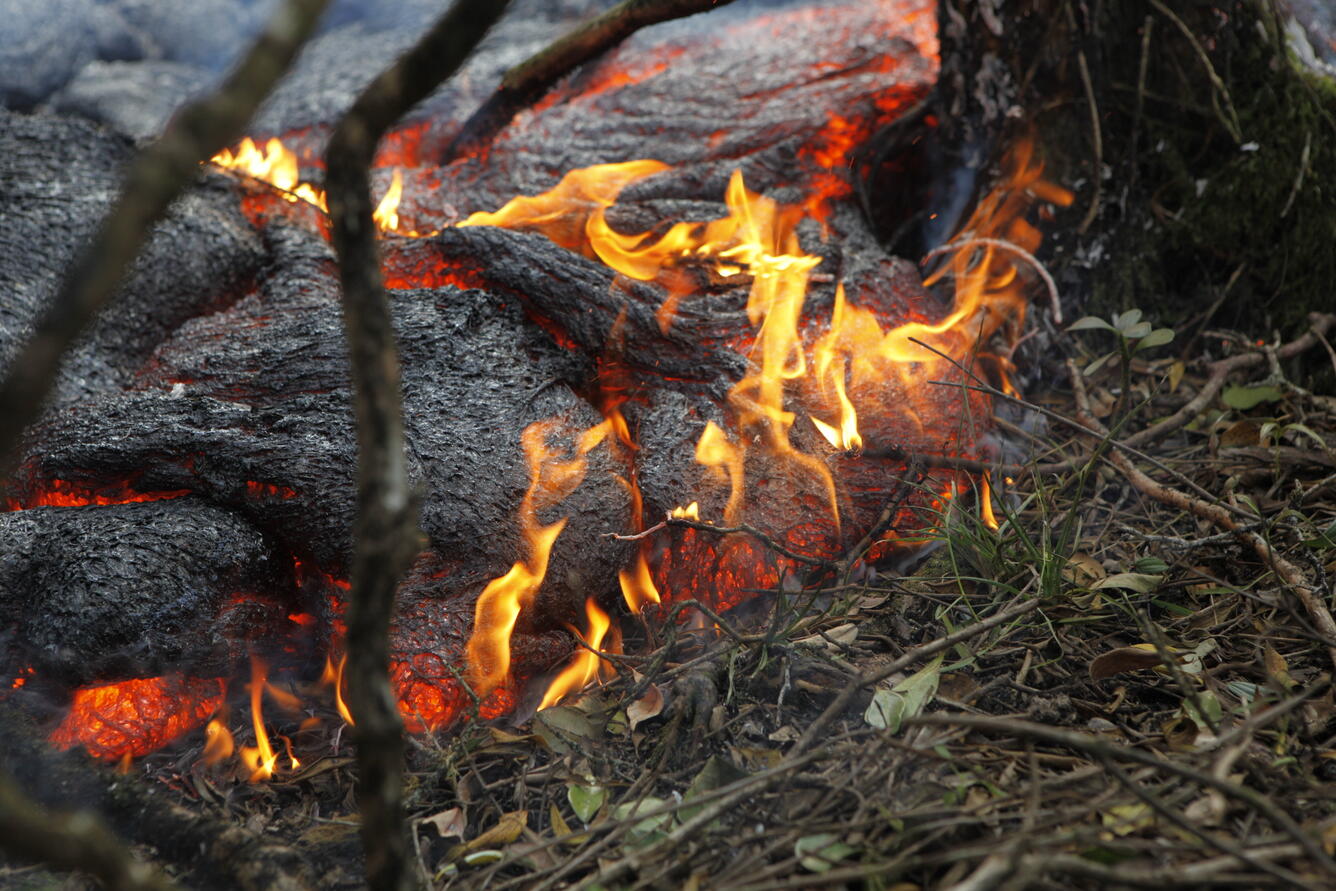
[{"x": 1195, "y": 222}]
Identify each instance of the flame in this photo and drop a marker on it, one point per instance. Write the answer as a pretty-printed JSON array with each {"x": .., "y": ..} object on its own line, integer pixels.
[
  {"x": 714, "y": 449},
  {"x": 638, "y": 589},
  {"x": 690, "y": 512},
  {"x": 278, "y": 166},
  {"x": 386, "y": 213},
  {"x": 260, "y": 758},
  {"x": 584, "y": 667},
  {"x": 334, "y": 677},
  {"x": 551, "y": 479},
  {"x": 138, "y": 716},
  {"x": 218, "y": 742},
  {"x": 986, "y": 504}
]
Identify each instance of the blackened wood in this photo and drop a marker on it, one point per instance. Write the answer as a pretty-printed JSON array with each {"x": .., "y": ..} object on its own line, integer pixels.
[
  {"x": 74, "y": 590},
  {"x": 533, "y": 77},
  {"x": 60, "y": 178},
  {"x": 386, "y": 534},
  {"x": 155, "y": 179}
]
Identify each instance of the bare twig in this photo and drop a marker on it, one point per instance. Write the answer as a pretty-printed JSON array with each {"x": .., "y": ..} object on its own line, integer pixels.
[
  {"x": 77, "y": 841},
  {"x": 386, "y": 536},
  {"x": 1054, "y": 300},
  {"x": 1103, "y": 749},
  {"x": 744, "y": 529},
  {"x": 155, "y": 179},
  {"x": 1290, "y": 574},
  {"x": 529, "y": 80}
]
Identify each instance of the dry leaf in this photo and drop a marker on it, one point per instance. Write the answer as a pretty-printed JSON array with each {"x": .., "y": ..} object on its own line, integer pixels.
[
  {"x": 785, "y": 734},
  {"x": 648, "y": 706},
  {"x": 1277, "y": 667},
  {"x": 1083, "y": 570},
  {"x": 832, "y": 639},
  {"x": 1133, "y": 658},
  {"x": 449, "y": 823},
  {"x": 506, "y": 830},
  {"x": 1176, "y": 375}
]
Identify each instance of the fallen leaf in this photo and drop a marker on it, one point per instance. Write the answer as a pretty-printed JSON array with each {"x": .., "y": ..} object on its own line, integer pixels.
[
  {"x": 889, "y": 708},
  {"x": 644, "y": 831},
  {"x": 586, "y": 800},
  {"x": 1125, "y": 819},
  {"x": 821, "y": 851},
  {"x": 1133, "y": 658},
  {"x": 1083, "y": 570},
  {"x": 1241, "y": 434},
  {"x": 506, "y": 830},
  {"x": 1277, "y": 667},
  {"x": 787, "y": 733},
  {"x": 1176, "y": 372},
  {"x": 832, "y": 639},
  {"x": 1140, "y": 582},
  {"x": 1244, "y": 398},
  {"x": 448, "y": 823},
  {"x": 648, "y": 706}
]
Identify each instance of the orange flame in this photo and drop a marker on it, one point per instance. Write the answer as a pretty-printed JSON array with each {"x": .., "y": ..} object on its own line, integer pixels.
[
  {"x": 551, "y": 479},
  {"x": 260, "y": 758},
  {"x": 334, "y": 677},
  {"x": 638, "y": 588},
  {"x": 690, "y": 512},
  {"x": 584, "y": 667},
  {"x": 218, "y": 742}
]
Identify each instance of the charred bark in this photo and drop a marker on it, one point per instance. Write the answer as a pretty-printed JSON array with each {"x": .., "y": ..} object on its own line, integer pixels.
[{"x": 156, "y": 178}]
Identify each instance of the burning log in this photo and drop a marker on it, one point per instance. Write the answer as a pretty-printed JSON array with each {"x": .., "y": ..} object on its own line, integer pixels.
[{"x": 714, "y": 325}]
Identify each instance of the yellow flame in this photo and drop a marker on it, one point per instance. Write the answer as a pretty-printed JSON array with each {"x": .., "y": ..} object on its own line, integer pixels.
[
  {"x": 584, "y": 667},
  {"x": 333, "y": 677},
  {"x": 386, "y": 213},
  {"x": 260, "y": 758},
  {"x": 277, "y": 165},
  {"x": 986, "y": 504},
  {"x": 690, "y": 512},
  {"x": 487, "y": 654},
  {"x": 714, "y": 449},
  {"x": 638, "y": 589}
]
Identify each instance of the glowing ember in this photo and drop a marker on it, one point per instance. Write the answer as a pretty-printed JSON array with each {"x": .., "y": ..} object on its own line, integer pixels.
[
  {"x": 584, "y": 667},
  {"x": 138, "y": 716}
]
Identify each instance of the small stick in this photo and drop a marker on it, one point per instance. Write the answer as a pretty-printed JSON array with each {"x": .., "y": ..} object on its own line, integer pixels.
[{"x": 1016, "y": 249}]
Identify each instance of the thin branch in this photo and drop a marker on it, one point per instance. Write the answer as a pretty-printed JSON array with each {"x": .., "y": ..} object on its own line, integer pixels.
[
  {"x": 528, "y": 81},
  {"x": 1104, "y": 749},
  {"x": 386, "y": 534},
  {"x": 1286, "y": 571},
  {"x": 155, "y": 179},
  {"x": 78, "y": 842}
]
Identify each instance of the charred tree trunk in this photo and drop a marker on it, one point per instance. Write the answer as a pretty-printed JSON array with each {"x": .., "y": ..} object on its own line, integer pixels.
[{"x": 1201, "y": 145}]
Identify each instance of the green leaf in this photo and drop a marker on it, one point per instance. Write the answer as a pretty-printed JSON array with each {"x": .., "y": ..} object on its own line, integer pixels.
[
  {"x": 586, "y": 800},
  {"x": 821, "y": 851},
  {"x": 1141, "y": 582},
  {"x": 889, "y": 708},
  {"x": 717, "y": 773},
  {"x": 645, "y": 831},
  {"x": 1090, "y": 322},
  {"x": 1126, "y": 320},
  {"x": 1244, "y": 398},
  {"x": 1151, "y": 565},
  {"x": 1137, "y": 331},
  {"x": 1098, "y": 363},
  {"x": 1325, "y": 541},
  {"x": 1158, "y": 337}
]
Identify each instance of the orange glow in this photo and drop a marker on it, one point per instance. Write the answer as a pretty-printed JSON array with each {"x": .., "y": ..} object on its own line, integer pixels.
[
  {"x": 714, "y": 449},
  {"x": 59, "y": 493},
  {"x": 260, "y": 758},
  {"x": 584, "y": 667},
  {"x": 551, "y": 479},
  {"x": 138, "y": 716}
]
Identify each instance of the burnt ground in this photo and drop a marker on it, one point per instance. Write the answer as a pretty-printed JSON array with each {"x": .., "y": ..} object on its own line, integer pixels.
[{"x": 1162, "y": 715}]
